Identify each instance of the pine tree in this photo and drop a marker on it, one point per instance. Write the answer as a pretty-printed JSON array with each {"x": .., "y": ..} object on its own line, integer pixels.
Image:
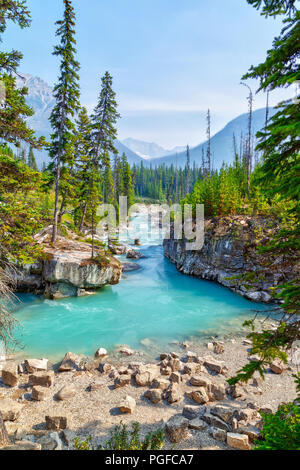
[
  {"x": 103, "y": 135},
  {"x": 17, "y": 12},
  {"x": 66, "y": 94},
  {"x": 127, "y": 181},
  {"x": 83, "y": 163},
  {"x": 280, "y": 175},
  {"x": 31, "y": 162}
]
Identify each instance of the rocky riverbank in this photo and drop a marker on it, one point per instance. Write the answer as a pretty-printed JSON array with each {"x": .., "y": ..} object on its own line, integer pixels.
[
  {"x": 67, "y": 269},
  {"x": 184, "y": 392},
  {"x": 230, "y": 257}
]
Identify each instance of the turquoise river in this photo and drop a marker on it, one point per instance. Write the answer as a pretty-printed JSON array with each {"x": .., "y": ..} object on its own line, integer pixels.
[{"x": 156, "y": 303}]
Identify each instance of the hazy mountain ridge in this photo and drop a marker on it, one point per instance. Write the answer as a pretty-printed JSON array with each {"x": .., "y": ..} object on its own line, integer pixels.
[
  {"x": 40, "y": 98},
  {"x": 221, "y": 143},
  {"x": 148, "y": 150}
]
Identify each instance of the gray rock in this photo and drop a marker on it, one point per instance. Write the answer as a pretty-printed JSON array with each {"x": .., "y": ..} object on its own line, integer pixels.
[
  {"x": 50, "y": 442},
  {"x": 177, "y": 428}
]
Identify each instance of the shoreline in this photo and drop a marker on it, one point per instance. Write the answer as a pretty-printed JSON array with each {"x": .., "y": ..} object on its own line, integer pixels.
[{"x": 93, "y": 404}]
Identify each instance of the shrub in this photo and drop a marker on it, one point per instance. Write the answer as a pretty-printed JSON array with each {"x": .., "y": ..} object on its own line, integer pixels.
[
  {"x": 281, "y": 431},
  {"x": 124, "y": 439}
]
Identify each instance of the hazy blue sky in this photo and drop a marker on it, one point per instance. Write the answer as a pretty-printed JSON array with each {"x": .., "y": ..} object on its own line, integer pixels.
[{"x": 170, "y": 59}]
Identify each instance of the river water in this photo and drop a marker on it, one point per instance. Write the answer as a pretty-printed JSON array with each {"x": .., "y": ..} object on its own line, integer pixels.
[{"x": 153, "y": 307}]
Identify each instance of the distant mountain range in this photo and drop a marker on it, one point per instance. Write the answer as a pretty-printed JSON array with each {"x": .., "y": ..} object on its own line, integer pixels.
[
  {"x": 40, "y": 98},
  {"x": 221, "y": 143},
  {"x": 148, "y": 150}
]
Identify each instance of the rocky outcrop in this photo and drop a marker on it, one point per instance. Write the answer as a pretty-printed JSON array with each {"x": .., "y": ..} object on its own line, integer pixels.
[
  {"x": 230, "y": 256},
  {"x": 67, "y": 270}
]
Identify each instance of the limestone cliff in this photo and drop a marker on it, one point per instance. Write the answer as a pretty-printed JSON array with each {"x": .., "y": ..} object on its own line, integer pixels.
[
  {"x": 229, "y": 256},
  {"x": 67, "y": 269}
]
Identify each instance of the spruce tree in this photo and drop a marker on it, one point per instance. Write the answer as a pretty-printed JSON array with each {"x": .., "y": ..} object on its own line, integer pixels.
[
  {"x": 66, "y": 94},
  {"x": 83, "y": 163},
  {"x": 31, "y": 162},
  {"x": 280, "y": 176},
  {"x": 127, "y": 181},
  {"x": 103, "y": 136},
  {"x": 104, "y": 119},
  {"x": 13, "y": 108}
]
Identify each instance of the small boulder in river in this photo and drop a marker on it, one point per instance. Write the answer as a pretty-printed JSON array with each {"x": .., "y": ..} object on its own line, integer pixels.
[
  {"x": 101, "y": 353},
  {"x": 129, "y": 267},
  {"x": 126, "y": 351}
]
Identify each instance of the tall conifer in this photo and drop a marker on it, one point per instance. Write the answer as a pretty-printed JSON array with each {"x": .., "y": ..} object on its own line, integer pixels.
[{"x": 66, "y": 94}]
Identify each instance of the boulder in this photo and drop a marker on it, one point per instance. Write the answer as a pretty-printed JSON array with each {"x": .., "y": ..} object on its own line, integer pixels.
[
  {"x": 177, "y": 428},
  {"x": 219, "y": 347},
  {"x": 66, "y": 392},
  {"x": 174, "y": 364},
  {"x": 56, "y": 423},
  {"x": 193, "y": 412},
  {"x": 10, "y": 375},
  {"x": 70, "y": 362},
  {"x": 192, "y": 369},
  {"x": 246, "y": 415},
  {"x": 133, "y": 254},
  {"x": 198, "y": 381},
  {"x": 146, "y": 374},
  {"x": 173, "y": 394},
  {"x": 213, "y": 365},
  {"x": 23, "y": 445},
  {"x": 101, "y": 353},
  {"x": 191, "y": 357},
  {"x": 96, "y": 386},
  {"x": 251, "y": 431},
  {"x": 106, "y": 368},
  {"x": 216, "y": 392},
  {"x": 122, "y": 381},
  {"x": 236, "y": 391},
  {"x": 176, "y": 377},
  {"x": 35, "y": 365},
  {"x": 199, "y": 396},
  {"x": 238, "y": 441},
  {"x": 224, "y": 412},
  {"x": 50, "y": 442},
  {"x": 39, "y": 393},
  {"x": 44, "y": 379},
  {"x": 277, "y": 367},
  {"x": 126, "y": 351},
  {"x": 160, "y": 384},
  {"x": 129, "y": 267},
  {"x": 198, "y": 424},
  {"x": 166, "y": 371},
  {"x": 10, "y": 409},
  {"x": 128, "y": 406},
  {"x": 69, "y": 437},
  {"x": 154, "y": 395},
  {"x": 218, "y": 434},
  {"x": 215, "y": 422}
]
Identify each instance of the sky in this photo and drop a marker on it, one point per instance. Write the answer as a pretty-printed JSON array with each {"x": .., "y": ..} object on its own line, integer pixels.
[{"x": 170, "y": 60}]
